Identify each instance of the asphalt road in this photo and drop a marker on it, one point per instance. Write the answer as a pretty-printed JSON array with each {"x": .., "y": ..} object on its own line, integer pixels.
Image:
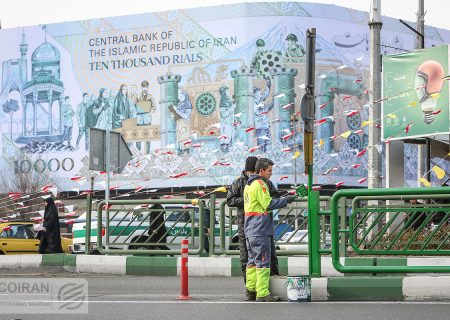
[{"x": 133, "y": 297}]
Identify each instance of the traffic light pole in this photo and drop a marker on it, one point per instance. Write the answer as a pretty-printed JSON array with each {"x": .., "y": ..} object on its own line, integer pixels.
[{"x": 308, "y": 114}]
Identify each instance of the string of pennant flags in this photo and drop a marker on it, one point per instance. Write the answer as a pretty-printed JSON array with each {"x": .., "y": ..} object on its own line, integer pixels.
[{"x": 15, "y": 198}]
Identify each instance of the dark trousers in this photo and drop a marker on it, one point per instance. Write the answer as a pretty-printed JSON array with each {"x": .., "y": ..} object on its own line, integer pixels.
[{"x": 243, "y": 252}]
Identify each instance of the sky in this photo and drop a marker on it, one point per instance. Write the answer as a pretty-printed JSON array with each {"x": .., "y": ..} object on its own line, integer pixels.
[{"x": 12, "y": 13}]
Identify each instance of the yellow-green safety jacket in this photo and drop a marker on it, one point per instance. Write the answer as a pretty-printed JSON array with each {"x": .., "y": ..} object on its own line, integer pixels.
[{"x": 257, "y": 204}]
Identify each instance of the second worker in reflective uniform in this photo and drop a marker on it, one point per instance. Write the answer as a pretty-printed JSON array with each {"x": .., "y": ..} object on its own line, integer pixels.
[{"x": 259, "y": 229}]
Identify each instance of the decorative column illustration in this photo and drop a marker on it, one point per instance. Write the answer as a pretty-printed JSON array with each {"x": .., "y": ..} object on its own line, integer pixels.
[
  {"x": 243, "y": 97},
  {"x": 169, "y": 98},
  {"x": 283, "y": 79},
  {"x": 333, "y": 84}
]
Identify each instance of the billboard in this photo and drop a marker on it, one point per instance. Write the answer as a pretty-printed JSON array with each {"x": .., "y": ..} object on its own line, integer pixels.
[
  {"x": 193, "y": 92},
  {"x": 416, "y": 94}
]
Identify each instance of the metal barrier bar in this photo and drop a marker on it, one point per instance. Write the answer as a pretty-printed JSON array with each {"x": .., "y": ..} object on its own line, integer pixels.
[
  {"x": 389, "y": 194},
  {"x": 144, "y": 252},
  {"x": 294, "y": 213}
]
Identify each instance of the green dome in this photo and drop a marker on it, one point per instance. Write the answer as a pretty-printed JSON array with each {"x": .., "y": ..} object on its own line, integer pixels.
[
  {"x": 46, "y": 52},
  {"x": 292, "y": 37},
  {"x": 260, "y": 43}
]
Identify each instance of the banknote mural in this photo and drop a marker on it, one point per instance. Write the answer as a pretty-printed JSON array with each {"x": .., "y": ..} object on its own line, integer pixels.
[{"x": 193, "y": 92}]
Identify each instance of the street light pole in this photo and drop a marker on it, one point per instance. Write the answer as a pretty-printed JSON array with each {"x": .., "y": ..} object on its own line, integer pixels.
[{"x": 374, "y": 161}]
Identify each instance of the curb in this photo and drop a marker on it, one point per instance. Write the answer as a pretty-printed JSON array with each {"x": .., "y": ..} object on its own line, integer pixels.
[
  {"x": 217, "y": 266},
  {"x": 370, "y": 288}
]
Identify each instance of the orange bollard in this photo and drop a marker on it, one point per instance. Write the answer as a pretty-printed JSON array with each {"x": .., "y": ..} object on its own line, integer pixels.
[{"x": 184, "y": 271}]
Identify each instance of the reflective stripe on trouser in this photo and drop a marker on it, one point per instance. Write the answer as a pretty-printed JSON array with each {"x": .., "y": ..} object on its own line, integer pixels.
[
  {"x": 274, "y": 271},
  {"x": 250, "y": 281},
  {"x": 259, "y": 254}
]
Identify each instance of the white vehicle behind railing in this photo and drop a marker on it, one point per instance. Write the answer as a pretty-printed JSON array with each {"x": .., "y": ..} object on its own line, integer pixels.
[{"x": 132, "y": 227}]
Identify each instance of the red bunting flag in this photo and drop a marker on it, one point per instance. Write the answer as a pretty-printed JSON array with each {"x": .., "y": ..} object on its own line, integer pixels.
[
  {"x": 187, "y": 142},
  {"x": 287, "y": 136},
  {"x": 357, "y": 80},
  {"x": 196, "y": 145},
  {"x": 287, "y": 106},
  {"x": 200, "y": 193},
  {"x": 167, "y": 197},
  {"x": 378, "y": 126},
  {"x": 320, "y": 121},
  {"x": 113, "y": 188},
  {"x": 324, "y": 105},
  {"x": 346, "y": 98},
  {"x": 235, "y": 124},
  {"x": 351, "y": 113},
  {"x": 366, "y": 91},
  {"x": 361, "y": 180},
  {"x": 225, "y": 164},
  {"x": 283, "y": 177},
  {"x": 106, "y": 206},
  {"x": 249, "y": 129},
  {"x": 264, "y": 113},
  {"x": 361, "y": 153},
  {"x": 287, "y": 149},
  {"x": 46, "y": 188},
  {"x": 186, "y": 206},
  {"x": 138, "y": 189},
  {"x": 436, "y": 112},
  {"x": 168, "y": 152},
  {"x": 251, "y": 150},
  {"x": 408, "y": 127},
  {"x": 224, "y": 137},
  {"x": 178, "y": 175},
  {"x": 356, "y": 165},
  {"x": 77, "y": 178},
  {"x": 358, "y": 131},
  {"x": 69, "y": 221},
  {"x": 340, "y": 183}
]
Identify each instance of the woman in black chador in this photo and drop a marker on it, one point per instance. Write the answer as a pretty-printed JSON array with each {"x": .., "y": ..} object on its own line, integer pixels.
[{"x": 51, "y": 239}]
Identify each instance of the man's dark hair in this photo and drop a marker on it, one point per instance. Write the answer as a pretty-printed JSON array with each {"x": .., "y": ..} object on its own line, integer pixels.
[
  {"x": 250, "y": 164},
  {"x": 263, "y": 164},
  {"x": 85, "y": 95},
  {"x": 67, "y": 97}
]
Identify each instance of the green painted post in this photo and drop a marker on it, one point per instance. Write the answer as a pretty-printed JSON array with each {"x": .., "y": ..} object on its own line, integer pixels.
[
  {"x": 212, "y": 224},
  {"x": 87, "y": 240},
  {"x": 314, "y": 233}
]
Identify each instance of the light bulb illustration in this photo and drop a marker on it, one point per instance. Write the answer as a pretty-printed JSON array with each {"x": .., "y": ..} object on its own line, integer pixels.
[{"x": 428, "y": 81}]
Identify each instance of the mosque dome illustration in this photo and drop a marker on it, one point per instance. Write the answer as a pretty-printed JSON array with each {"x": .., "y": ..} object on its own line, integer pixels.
[
  {"x": 42, "y": 97},
  {"x": 45, "y": 61},
  {"x": 46, "y": 52}
]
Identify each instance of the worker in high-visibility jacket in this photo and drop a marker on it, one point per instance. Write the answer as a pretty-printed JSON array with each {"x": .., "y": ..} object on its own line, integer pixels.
[{"x": 259, "y": 229}]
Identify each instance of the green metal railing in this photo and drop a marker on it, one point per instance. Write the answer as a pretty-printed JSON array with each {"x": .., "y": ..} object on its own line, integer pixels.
[
  {"x": 396, "y": 228},
  {"x": 130, "y": 230},
  {"x": 291, "y": 223}
]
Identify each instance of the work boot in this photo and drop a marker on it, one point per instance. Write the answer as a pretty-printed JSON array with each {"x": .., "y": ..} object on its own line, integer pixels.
[
  {"x": 268, "y": 298},
  {"x": 250, "y": 295}
]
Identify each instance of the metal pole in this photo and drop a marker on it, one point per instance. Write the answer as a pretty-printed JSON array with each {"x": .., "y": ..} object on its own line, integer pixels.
[
  {"x": 212, "y": 224},
  {"x": 423, "y": 154},
  {"x": 420, "y": 37},
  {"x": 313, "y": 197},
  {"x": 87, "y": 241},
  {"x": 108, "y": 168},
  {"x": 374, "y": 161}
]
